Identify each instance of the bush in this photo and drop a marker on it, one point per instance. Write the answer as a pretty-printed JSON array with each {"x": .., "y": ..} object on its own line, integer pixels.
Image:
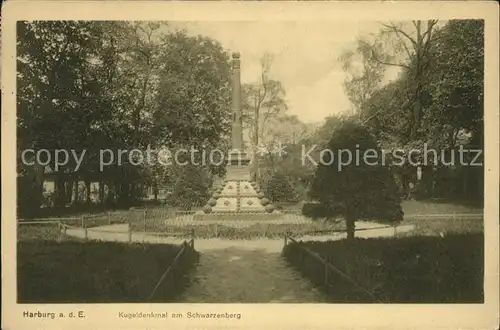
[
  {"x": 317, "y": 210},
  {"x": 191, "y": 188},
  {"x": 417, "y": 269},
  {"x": 279, "y": 189}
]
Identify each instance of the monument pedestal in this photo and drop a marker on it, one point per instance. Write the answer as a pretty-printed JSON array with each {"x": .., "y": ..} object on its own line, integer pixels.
[{"x": 238, "y": 196}]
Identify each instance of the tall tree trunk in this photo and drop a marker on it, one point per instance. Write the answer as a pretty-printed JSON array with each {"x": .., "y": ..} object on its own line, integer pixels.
[
  {"x": 350, "y": 224},
  {"x": 59, "y": 190},
  {"x": 88, "y": 199},
  {"x": 77, "y": 191},
  {"x": 69, "y": 190},
  {"x": 155, "y": 190},
  {"x": 39, "y": 179},
  {"x": 101, "y": 191},
  {"x": 255, "y": 163}
]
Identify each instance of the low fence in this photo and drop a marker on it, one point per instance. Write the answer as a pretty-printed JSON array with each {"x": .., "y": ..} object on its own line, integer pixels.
[
  {"x": 157, "y": 219},
  {"x": 87, "y": 221},
  {"x": 174, "y": 278},
  {"x": 168, "y": 286},
  {"x": 87, "y": 228},
  {"x": 338, "y": 286}
]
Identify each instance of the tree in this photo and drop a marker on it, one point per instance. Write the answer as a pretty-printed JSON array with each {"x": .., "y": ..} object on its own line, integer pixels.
[
  {"x": 115, "y": 85},
  {"x": 56, "y": 84},
  {"x": 415, "y": 43},
  {"x": 365, "y": 189},
  {"x": 456, "y": 85},
  {"x": 262, "y": 101},
  {"x": 363, "y": 74}
]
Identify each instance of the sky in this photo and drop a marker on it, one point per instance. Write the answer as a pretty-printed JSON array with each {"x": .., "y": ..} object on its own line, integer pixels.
[{"x": 305, "y": 58}]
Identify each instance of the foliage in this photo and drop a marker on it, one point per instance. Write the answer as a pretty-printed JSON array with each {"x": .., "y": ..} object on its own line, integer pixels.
[
  {"x": 279, "y": 189},
  {"x": 436, "y": 98},
  {"x": 317, "y": 210},
  {"x": 115, "y": 85},
  {"x": 262, "y": 102},
  {"x": 417, "y": 269},
  {"x": 366, "y": 189},
  {"x": 191, "y": 187}
]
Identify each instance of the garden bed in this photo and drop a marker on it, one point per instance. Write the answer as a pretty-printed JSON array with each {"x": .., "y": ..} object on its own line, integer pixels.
[
  {"x": 55, "y": 271},
  {"x": 415, "y": 269},
  {"x": 244, "y": 231}
]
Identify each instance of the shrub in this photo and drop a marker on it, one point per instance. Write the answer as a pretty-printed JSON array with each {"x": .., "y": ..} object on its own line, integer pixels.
[
  {"x": 317, "y": 210},
  {"x": 191, "y": 188},
  {"x": 279, "y": 189}
]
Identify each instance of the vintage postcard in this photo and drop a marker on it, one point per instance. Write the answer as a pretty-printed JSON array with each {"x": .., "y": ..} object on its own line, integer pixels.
[{"x": 250, "y": 165}]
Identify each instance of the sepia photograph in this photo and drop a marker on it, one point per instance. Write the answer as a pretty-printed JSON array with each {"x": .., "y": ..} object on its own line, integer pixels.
[{"x": 257, "y": 161}]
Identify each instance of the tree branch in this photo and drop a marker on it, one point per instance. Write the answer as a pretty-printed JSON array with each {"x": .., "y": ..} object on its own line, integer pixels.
[
  {"x": 395, "y": 29},
  {"x": 388, "y": 63}
]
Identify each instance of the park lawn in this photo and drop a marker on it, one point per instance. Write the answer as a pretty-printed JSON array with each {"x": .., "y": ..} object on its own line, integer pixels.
[
  {"x": 438, "y": 226},
  {"x": 411, "y": 207},
  {"x": 436, "y": 219},
  {"x": 37, "y": 232},
  {"x": 416, "y": 269},
  {"x": 55, "y": 270}
]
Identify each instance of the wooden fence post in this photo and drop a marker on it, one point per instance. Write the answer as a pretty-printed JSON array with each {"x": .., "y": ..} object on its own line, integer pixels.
[
  {"x": 65, "y": 228},
  {"x": 109, "y": 218},
  {"x": 83, "y": 222},
  {"x": 216, "y": 230},
  {"x": 326, "y": 275},
  {"x": 86, "y": 233},
  {"x": 286, "y": 237},
  {"x": 144, "y": 218},
  {"x": 129, "y": 235}
]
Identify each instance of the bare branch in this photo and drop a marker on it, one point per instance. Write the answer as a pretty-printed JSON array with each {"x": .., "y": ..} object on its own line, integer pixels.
[
  {"x": 388, "y": 63},
  {"x": 404, "y": 44},
  {"x": 430, "y": 26},
  {"x": 395, "y": 29}
]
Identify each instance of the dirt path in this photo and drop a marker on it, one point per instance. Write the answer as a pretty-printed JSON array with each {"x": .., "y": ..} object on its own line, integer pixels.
[{"x": 239, "y": 275}]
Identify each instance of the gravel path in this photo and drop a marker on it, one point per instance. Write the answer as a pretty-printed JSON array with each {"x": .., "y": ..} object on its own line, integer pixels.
[
  {"x": 119, "y": 233},
  {"x": 242, "y": 275}
]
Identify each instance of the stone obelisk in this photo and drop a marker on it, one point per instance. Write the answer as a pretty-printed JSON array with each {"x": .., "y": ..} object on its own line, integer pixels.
[
  {"x": 238, "y": 198},
  {"x": 237, "y": 130},
  {"x": 238, "y": 161}
]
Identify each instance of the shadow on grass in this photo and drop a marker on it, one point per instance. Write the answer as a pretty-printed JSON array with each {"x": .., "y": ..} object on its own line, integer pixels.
[{"x": 415, "y": 269}]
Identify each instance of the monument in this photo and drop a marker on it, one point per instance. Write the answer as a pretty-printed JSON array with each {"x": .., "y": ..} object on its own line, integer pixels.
[{"x": 239, "y": 197}]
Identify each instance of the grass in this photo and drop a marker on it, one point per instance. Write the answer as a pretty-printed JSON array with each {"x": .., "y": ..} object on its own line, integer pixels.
[
  {"x": 434, "y": 226},
  {"x": 429, "y": 207},
  {"x": 417, "y": 269},
  {"x": 38, "y": 232},
  {"x": 253, "y": 231},
  {"x": 52, "y": 268}
]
